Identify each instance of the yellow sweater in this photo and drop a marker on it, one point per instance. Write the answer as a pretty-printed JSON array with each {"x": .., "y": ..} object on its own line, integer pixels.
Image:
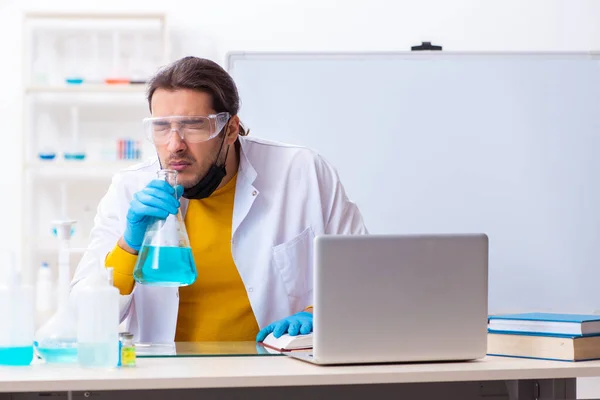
[{"x": 216, "y": 306}]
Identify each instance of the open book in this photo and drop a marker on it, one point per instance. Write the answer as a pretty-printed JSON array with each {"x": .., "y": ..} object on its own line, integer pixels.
[{"x": 288, "y": 343}]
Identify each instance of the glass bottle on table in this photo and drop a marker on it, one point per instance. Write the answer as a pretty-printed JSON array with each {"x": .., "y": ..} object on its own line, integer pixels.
[
  {"x": 16, "y": 316},
  {"x": 165, "y": 258}
]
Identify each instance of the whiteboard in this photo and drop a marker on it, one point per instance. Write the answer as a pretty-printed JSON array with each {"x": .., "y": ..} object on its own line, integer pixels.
[{"x": 505, "y": 144}]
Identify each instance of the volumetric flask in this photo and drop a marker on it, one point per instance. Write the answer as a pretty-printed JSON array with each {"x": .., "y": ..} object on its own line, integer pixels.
[{"x": 165, "y": 258}]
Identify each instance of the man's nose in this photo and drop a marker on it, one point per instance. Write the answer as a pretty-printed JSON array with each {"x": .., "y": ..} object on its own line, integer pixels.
[{"x": 176, "y": 142}]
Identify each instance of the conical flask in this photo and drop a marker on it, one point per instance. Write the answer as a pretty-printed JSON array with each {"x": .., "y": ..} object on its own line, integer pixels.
[
  {"x": 56, "y": 340},
  {"x": 165, "y": 258}
]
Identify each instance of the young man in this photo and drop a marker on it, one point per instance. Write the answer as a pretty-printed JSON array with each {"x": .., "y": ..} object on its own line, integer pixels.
[{"x": 252, "y": 209}]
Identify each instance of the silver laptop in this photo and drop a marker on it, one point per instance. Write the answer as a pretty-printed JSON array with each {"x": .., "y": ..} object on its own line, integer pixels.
[{"x": 399, "y": 298}]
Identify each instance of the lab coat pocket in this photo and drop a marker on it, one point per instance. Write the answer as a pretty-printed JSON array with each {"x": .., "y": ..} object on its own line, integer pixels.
[{"x": 294, "y": 260}]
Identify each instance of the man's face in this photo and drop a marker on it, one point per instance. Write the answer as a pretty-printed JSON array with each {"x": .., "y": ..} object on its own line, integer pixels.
[{"x": 190, "y": 160}]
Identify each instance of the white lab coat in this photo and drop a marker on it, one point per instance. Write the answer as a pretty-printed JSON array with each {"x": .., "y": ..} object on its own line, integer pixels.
[{"x": 285, "y": 195}]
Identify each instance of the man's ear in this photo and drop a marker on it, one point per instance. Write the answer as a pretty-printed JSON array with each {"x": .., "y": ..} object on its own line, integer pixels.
[{"x": 233, "y": 130}]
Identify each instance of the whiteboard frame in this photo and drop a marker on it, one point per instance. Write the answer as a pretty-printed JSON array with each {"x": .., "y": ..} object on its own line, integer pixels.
[
  {"x": 521, "y": 299},
  {"x": 232, "y": 56}
]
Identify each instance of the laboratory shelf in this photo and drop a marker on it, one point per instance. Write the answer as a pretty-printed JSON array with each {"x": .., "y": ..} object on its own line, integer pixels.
[
  {"x": 85, "y": 16},
  {"x": 88, "y": 88},
  {"x": 61, "y": 169},
  {"x": 49, "y": 247},
  {"x": 91, "y": 117}
]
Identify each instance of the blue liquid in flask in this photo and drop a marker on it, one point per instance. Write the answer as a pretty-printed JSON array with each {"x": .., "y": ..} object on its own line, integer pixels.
[
  {"x": 58, "y": 353},
  {"x": 165, "y": 266},
  {"x": 16, "y": 356}
]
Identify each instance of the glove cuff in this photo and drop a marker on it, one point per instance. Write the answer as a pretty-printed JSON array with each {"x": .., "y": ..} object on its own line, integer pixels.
[{"x": 127, "y": 239}]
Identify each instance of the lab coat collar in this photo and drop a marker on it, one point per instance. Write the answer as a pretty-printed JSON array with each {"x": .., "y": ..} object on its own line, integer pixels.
[
  {"x": 245, "y": 192},
  {"x": 245, "y": 169}
]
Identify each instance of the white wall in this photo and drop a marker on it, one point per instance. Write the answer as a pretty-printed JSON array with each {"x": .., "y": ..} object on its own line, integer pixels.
[{"x": 212, "y": 28}]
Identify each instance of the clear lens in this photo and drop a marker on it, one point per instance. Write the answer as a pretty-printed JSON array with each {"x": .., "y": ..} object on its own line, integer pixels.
[{"x": 193, "y": 129}]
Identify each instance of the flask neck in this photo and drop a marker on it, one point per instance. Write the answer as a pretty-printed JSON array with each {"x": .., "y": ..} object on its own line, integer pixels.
[{"x": 169, "y": 176}]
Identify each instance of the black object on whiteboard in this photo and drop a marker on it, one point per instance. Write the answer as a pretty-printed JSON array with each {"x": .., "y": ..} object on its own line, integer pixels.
[{"x": 426, "y": 46}]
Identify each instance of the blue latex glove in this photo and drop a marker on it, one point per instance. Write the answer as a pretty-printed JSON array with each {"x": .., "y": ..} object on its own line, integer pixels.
[
  {"x": 300, "y": 323},
  {"x": 156, "y": 200}
]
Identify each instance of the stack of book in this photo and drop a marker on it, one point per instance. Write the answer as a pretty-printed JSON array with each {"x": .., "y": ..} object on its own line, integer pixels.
[{"x": 565, "y": 337}]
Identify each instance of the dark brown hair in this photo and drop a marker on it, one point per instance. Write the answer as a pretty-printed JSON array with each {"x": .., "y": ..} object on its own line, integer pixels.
[{"x": 202, "y": 75}]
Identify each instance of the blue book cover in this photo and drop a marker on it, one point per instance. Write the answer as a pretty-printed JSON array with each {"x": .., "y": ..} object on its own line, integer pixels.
[
  {"x": 560, "y": 335},
  {"x": 548, "y": 317}
]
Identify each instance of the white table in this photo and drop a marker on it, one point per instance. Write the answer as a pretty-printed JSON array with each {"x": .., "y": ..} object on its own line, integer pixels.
[{"x": 274, "y": 377}]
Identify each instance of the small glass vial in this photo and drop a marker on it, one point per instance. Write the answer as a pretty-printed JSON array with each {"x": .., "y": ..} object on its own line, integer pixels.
[{"x": 126, "y": 350}]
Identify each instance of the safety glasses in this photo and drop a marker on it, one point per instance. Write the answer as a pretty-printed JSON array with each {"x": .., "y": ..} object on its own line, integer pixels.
[{"x": 192, "y": 129}]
